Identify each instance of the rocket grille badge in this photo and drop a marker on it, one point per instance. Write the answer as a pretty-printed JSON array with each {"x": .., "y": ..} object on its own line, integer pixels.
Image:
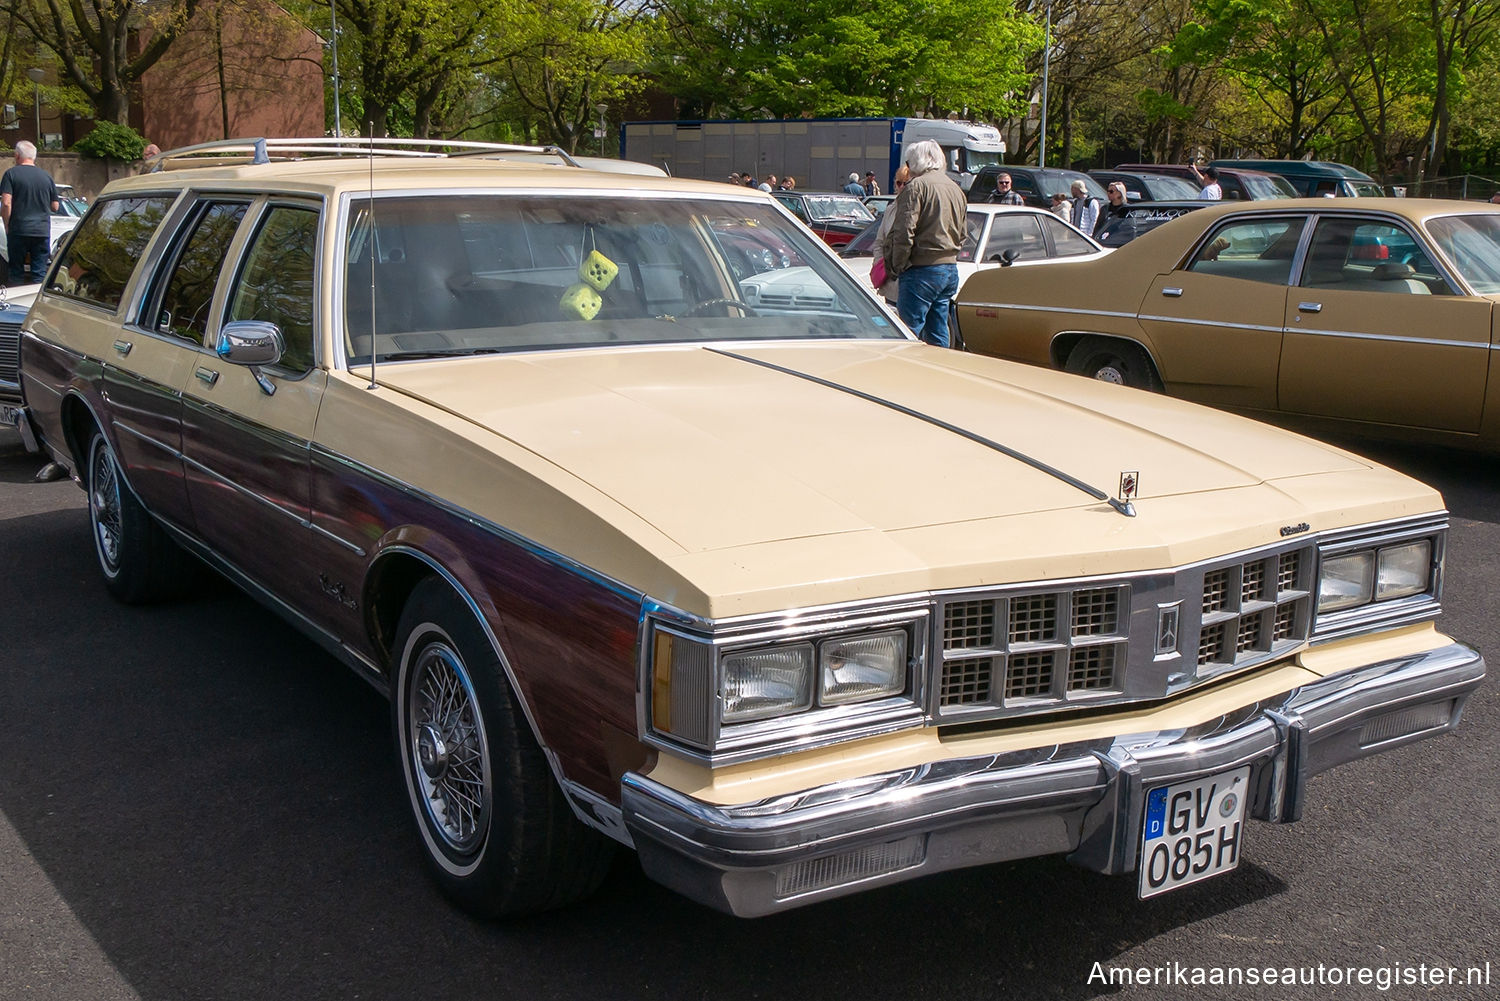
[{"x": 1130, "y": 486}]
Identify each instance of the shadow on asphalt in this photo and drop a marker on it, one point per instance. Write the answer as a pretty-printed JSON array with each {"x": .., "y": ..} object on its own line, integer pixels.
[{"x": 217, "y": 802}]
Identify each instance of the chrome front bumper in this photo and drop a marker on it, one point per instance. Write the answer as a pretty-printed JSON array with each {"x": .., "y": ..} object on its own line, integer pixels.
[{"x": 1085, "y": 799}]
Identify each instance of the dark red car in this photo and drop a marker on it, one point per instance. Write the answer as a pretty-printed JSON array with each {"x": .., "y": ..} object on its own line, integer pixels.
[{"x": 833, "y": 215}]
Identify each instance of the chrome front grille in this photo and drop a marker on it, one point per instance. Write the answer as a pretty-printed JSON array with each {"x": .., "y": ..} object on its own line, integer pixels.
[
  {"x": 1261, "y": 620},
  {"x": 1049, "y": 646},
  {"x": 10, "y": 352},
  {"x": 1007, "y": 651}
]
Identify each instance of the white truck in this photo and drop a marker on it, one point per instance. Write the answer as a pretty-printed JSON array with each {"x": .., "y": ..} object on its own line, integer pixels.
[{"x": 820, "y": 153}]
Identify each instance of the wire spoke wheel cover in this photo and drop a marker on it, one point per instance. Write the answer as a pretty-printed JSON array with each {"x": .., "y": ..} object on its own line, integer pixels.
[
  {"x": 104, "y": 506},
  {"x": 450, "y": 758}
]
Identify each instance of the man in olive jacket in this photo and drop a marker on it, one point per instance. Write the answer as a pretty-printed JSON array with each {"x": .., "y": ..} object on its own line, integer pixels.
[{"x": 927, "y": 232}]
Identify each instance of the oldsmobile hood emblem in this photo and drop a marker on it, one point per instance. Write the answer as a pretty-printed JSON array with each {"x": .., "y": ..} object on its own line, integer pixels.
[
  {"x": 1297, "y": 529},
  {"x": 1130, "y": 485}
]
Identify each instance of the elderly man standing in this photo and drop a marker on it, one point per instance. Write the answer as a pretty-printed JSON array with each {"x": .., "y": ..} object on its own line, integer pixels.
[
  {"x": 927, "y": 232},
  {"x": 28, "y": 197}
]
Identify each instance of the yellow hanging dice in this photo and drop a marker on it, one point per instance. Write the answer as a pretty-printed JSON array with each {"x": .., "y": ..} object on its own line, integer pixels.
[
  {"x": 581, "y": 301},
  {"x": 598, "y": 270}
]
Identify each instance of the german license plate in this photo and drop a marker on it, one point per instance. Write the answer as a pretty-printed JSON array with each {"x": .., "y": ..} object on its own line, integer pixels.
[{"x": 1192, "y": 830}]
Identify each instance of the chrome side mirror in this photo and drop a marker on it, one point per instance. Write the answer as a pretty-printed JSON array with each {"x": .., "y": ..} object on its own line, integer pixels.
[{"x": 251, "y": 343}]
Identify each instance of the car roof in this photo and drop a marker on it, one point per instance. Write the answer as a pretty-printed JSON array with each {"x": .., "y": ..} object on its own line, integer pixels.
[
  {"x": 1415, "y": 210},
  {"x": 335, "y": 176},
  {"x": 1322, "y": 168}
]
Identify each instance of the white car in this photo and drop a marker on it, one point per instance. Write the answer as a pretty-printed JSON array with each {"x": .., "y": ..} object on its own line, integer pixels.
[{"x": 1003, "y": 235}]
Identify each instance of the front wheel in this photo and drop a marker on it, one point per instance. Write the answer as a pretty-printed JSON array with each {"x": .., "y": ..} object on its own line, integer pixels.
[
  {"x": 500, "y": 838},
  {"x": 139, "y": 562},
  {"x": 1120, "y": 362}
]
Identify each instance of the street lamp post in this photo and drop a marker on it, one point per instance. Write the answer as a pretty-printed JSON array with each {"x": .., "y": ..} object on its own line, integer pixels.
[
  {"x": 1041, "y": 157},
  {"x": 36, "y": 73},
  {"x": 333, "y": 38}
]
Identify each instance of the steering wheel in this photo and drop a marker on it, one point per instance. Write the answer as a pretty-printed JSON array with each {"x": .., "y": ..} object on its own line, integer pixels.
[{"x": 743, "y": 307}]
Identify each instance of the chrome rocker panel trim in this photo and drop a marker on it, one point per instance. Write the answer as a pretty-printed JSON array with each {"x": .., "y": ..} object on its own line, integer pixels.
[{"x": 1084, "y": 799}]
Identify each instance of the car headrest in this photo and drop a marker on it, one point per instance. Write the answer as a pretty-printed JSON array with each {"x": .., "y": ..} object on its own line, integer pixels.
[{"x": 1390, "y": 271}]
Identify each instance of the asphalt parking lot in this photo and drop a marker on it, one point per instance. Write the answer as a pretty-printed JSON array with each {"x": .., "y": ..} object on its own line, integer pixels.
[{"x": 196, "y": 803}]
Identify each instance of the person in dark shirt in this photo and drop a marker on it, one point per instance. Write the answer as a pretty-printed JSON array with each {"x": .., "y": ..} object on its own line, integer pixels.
[
  {"x": 1003, "y": 193},
  {"x": 28, "y": 197}
]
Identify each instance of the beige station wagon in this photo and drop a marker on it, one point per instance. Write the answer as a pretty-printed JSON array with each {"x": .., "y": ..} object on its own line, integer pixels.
[
  {"x": 1375, "y": 315},
  {"x": 788, "y": 602}
]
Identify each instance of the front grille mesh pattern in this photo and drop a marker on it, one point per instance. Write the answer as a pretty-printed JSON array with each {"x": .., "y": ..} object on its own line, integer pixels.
[
  {"x": 1016, "y": 650},
  {"x": 10, "y": 351},
  {"x": 1236, "y": 633}
]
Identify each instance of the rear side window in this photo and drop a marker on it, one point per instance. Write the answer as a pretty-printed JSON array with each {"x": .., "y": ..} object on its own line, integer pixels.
[
  {"x": 104, "y": 250},
  {"x": 1067, "y": 241},
  {"x": 189, "y": 293}
]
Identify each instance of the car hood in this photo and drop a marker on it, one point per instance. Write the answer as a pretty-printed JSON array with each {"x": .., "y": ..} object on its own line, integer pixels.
[{"x": 718, "y": 447}]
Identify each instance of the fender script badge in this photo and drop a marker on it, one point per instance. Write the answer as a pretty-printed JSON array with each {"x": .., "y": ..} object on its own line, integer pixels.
[
  {"x": 1130, "y": 485},
  {"x": 1295, "y": 529}
]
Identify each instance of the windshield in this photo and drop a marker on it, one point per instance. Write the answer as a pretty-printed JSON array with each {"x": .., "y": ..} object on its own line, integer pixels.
[
  {"x": 465, "y": 275},
  {"x": 1472, "y": 245},
  {"x": 1267, "y": 187},
  {"x": 1165, "y": 189},
  {"x": 840, "y": 208},
  {"x": 978, "y": 159}
]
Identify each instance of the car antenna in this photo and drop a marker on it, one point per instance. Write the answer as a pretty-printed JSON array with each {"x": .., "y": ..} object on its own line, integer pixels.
[{"x": 374, "y": 249}]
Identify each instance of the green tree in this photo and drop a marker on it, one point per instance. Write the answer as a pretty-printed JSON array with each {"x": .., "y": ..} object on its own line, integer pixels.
[
  {"x": 103, "y": 47},
  {"x": 786, "y": 58},
  {"x": 561, "y": 58}
]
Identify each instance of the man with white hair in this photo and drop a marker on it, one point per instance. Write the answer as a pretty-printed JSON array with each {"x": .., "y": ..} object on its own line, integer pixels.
[
  {"x": 853, "y": 187},
  {"x": 28, "y": 197},
  {"x": 921, "y": 251}
]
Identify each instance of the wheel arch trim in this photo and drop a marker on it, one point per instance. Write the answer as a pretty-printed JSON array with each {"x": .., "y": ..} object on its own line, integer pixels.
[
  {"x": 1072, "y": 338},
  {"x": 586, "y": 806}
]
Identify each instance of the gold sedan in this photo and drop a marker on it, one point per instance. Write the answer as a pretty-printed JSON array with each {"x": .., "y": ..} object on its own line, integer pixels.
[{"x": 1376, "y": 316}]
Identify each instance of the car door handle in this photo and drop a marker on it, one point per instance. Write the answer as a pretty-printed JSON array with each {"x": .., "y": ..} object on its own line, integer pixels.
[
  {"x": 1172, "y": 290},
  {"x": 123, "y": 348},
  {"x": 1310, "y": 307},
  {"x": 208, "y": 375}
]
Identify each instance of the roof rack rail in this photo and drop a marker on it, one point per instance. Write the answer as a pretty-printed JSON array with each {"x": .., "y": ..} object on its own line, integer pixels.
[{"x": 229, "y": 152}]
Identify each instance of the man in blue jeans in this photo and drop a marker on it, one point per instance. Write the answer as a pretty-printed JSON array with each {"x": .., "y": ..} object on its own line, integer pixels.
[
  {"x": 28, "y": 197},
  {"x": 927, "y": 232}
]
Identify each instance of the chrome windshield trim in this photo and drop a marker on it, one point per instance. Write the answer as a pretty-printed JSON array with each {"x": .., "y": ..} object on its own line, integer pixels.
[{"x": 1123, "y": 507}]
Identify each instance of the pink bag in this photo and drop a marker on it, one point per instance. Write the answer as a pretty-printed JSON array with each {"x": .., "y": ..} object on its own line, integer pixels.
[{"x": 878, "y": 276}]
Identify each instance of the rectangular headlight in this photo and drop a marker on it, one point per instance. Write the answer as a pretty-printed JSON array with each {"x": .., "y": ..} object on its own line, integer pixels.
[
  {"x": 1403, "y": 570},
  {"x": 1346, "y": 581},
  {"x": 859, "y": 668},
  {"x": 769, "y": 682}
]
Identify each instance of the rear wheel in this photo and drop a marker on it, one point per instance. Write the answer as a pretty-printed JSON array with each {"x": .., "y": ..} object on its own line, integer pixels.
[
  {"x": 139, "y": 562},
  {"x": 1121, "y": 362},
  {"x": 499, "y": 835}
]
